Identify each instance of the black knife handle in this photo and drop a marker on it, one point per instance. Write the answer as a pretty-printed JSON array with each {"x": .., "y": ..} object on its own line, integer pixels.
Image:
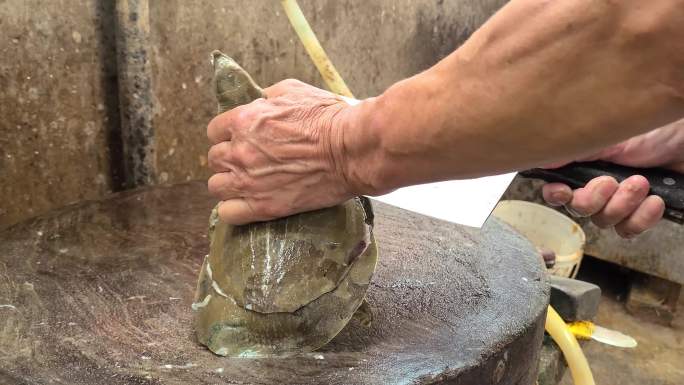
[{"x": 667, "y": 184}]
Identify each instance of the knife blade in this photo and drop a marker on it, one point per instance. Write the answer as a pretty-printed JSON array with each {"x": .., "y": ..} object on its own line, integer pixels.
[{"x": 466, "y": 202}]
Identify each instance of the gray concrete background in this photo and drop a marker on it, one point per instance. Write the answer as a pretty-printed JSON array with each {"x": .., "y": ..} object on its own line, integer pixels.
[
  {"x": 56, "y": 83},
  {"x": 60, "y": 138}
]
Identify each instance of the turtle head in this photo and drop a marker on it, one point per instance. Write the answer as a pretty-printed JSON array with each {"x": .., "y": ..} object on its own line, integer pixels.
[{"x": 232, "y": 84}]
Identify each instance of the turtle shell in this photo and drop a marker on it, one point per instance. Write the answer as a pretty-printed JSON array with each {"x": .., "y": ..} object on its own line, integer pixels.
[
  {"x": 282, "y": 286},
  {"x": 282, "y": 265}
]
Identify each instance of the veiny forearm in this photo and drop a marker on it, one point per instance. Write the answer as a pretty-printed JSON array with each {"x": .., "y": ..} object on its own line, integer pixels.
[{"x": 541, "y": 81}]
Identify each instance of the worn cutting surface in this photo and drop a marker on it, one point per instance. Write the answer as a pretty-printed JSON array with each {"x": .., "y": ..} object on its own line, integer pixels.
[{"x": 100, "y": 293}]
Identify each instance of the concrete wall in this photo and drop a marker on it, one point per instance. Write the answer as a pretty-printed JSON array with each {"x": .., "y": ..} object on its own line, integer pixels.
[
  {"x": 59, "y": 133},
  {"x": 55, "y": 83},
  {"x": 373, "y": 44}
]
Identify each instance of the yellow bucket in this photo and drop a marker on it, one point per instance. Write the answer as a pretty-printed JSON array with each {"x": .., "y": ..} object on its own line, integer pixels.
[{"x": 546, "y": 229}]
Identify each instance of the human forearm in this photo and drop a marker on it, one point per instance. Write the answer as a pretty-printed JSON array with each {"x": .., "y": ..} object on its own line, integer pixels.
[{"x": 541, "y": 81}]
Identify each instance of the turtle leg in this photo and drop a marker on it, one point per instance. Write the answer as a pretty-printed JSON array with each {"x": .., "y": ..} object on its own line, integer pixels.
[{"x": 363, "y": 314}]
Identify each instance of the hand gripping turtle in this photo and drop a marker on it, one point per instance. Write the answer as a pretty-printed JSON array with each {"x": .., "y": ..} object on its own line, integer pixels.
[{"x": 284, "y": 286}]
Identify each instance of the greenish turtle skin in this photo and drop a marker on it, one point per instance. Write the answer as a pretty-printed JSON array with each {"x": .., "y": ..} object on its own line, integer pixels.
[{"x": 284, "y": 286}]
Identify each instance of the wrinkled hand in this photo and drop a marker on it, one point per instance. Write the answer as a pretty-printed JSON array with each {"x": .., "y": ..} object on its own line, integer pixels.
[
  {"x": 278, "y": 156},
  {"x": 627, "y": 205}
]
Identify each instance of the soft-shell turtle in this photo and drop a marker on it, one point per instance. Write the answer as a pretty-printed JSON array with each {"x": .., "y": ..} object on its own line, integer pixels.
[{"x": 283, "y": 286}]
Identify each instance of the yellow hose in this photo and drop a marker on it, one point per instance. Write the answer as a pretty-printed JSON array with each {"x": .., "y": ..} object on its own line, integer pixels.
[
  {"x": 582, "y": 330},
  {"x": 555, "y": 326},
  {"x": 313, "y": 47},
  {"x": 559, "y": 331}
]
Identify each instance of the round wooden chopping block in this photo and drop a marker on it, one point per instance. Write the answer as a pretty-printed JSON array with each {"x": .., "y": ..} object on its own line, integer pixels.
[{"x": 100, "y": 293}]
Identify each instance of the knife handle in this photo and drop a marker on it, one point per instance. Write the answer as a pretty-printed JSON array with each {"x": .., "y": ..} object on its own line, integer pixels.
[{"x": 667, "y": 184}]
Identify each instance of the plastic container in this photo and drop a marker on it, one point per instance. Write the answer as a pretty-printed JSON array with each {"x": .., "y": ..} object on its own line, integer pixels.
[{"x": 546, "y": 229}]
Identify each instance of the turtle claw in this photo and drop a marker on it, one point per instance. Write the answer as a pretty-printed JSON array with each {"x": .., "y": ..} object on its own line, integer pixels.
[{"x": 364, "y": 314}]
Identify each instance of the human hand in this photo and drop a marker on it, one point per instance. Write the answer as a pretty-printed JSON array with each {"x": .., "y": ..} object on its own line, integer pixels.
[
  {"x": 280, "y": 155},
  {"x": 625, "y": 206}
]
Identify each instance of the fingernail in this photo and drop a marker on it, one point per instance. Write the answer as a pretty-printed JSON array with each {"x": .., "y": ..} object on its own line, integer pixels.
[
  {"x": 560, "y": 196},
  {"x": 605, "y": 189},
  {"x": 631, "y": 187}
]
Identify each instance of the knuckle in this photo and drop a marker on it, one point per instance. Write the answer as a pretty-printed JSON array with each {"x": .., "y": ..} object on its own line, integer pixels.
[
  {"x": 215, "y": 184},
  {"x": 290, "y": 83},
  {"x": 636, "y": 185},
  {"x": 608, "y": 179},
  {"x": 259, "y": 103},
  {"x": 246, "y": 115},
  {"x": 601, "y": 188},
  {"x": 218, "y": 127},
  {"x": 638, "y": 179},
  {"x": 244, "y": 155},
  {"x": 631, "y": 203},
  {"x": 241, "y": 115},
  {"x": 243, "y": 182},
  {"x": 219, "y": 157},
  {"x": 601, "y": 181},
  {"x": 215, "y": 164},
  {"x": 217, "y": 151}
]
